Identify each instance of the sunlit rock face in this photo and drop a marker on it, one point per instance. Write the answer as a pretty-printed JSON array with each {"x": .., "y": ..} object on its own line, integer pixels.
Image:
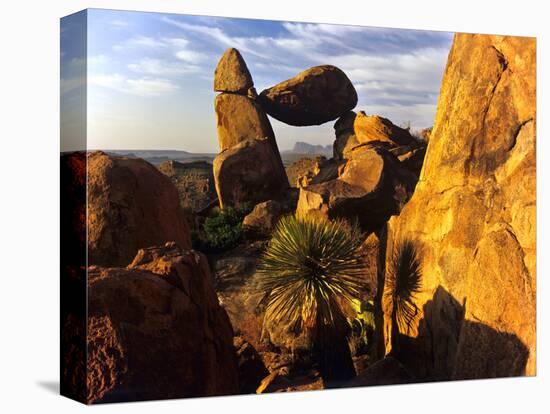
[{"x": 472, "y": 220}]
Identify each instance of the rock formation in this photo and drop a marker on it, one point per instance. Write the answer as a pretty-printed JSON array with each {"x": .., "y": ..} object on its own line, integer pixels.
[
  {"x": 249, "y": 172},
  {"x": 231, "y": 74},
  {"x": 249, "y": 167},
  {"x": 194, "y": 182},
  {"x": 130, "y": 205},
  {"x": 472, "y": 220},
  {"x": 239, "y": 118},
  {"x": 371, "y": 186},
  {"x": 156, "y": 330},
  {"x": 346, "y": 139},
  {"x": 375, "y": 129},
  {"x": 313, "y": 97}
]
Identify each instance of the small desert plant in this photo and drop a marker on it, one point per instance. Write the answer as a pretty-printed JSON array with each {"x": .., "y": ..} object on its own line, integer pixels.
[
  {"x": 404, "y": 283},
  {"x": 363, "y": 325},
  {"x": 223, "y": 230},
  {"x": 310, "y": 275}
]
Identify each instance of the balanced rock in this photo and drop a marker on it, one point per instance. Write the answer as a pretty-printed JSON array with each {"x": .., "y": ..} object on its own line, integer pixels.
[
  {"x": 239, "y": 118},
  {"x": 371, "y": 186},
  {"x": 250, "y": 171},
  {"x": 231, "y": 74},
  {"x": 262, "y": 220},
  {"x": 156, "y": 330},
  {"x": 346, "y": 139},
  {"x": 375, "y": 129},
  {"x": 131, "y": 204},
  {"x": 472, "y": 220},
  {"x": 313, "y": 97}
]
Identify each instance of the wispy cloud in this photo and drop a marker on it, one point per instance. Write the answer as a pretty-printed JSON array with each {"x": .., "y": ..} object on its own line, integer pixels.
[
  {"x": 158, "y": 67},
  {"x": 145, "y": 87}
]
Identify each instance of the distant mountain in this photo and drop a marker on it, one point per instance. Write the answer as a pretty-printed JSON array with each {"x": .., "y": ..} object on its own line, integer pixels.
[
  {"x": 158, "y": 156},
  {"x": 310, "y": 149}
]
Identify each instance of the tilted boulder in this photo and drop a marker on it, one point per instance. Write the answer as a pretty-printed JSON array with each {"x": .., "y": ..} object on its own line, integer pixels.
[
  {"x": 472, "y": 220},
  {"x": 239, "y": 118},
  {"x": 313, "y": 97},
  {"x": 249, "y": 172},
  {"x": 375, "y": 129},
  {"x": 156, "y": 330},
  {"x": 231, "y": 74},
  {"x": 371, "y": 186},
  {"x": 131, "y": 204}
]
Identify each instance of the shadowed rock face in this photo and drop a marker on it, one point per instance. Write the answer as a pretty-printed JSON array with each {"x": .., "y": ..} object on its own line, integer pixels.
[
  {"x": 313, "y": 97},
  {"x": 249, "y": 172},
  {"x": 130, "y": 205},
  {"x": 473, "y": 218},
  {"x": 156, "y": 330}
]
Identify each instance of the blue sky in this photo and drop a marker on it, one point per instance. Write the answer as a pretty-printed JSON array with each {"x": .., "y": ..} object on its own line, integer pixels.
[{"x": 150, "y": 75}]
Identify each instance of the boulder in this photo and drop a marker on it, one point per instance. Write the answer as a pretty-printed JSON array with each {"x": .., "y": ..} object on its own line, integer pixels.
[
  {"x": 262, "y": 220},
  {"x": 313, "y": 97},
  {"x": 375, "y": 129},
  {"x": 346, "y": 139},
  {"x": 371, "y": 186},
  {"x": 156, "y": 330},
  {"x": 131, "y": 204},
  {"x": 249, "y": 172},
  {"x": 239, "y": 118},
  {"x": 231, "y": 74},
  {"x": 472, "y": 220}
]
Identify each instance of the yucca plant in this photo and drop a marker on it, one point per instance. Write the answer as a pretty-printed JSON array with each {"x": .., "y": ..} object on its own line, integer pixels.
[
  {"x": 404, "y": 277},
  {"x": 310, "y": 274}
]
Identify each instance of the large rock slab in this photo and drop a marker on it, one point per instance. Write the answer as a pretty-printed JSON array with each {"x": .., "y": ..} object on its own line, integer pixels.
[
  {"x": 379, "y": 130},
  {"x": 472, "y": 220},
  {"x": 250, "y": 171},
  {"x": 239, "y": 118},
  {"x": 156, "y": 330},
  {"x": 371, "y": 186},
  {"x": 313, "y": 97},
  {"x": 231, "y": 74},
  {"x": 130, "y": 205}
]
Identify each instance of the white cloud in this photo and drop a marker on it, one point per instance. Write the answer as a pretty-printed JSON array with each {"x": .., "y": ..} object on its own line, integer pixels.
[
  {"x": 140, "y": 87},
  {"x": 158, "y": 67},
  {"x": 191, "y": 56}
]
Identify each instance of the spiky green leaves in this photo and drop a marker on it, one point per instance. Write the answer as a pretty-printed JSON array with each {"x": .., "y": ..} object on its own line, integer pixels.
[
  {"x": 403, "y": 280},
  {"x": 310, "y": 271}
]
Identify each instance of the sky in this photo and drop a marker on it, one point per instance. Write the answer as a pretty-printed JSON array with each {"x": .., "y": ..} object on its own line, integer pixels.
[{"x": 149, "y": 76}]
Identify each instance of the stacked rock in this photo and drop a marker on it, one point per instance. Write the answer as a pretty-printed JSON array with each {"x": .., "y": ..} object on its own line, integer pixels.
[{"x": 249, "y": 166}]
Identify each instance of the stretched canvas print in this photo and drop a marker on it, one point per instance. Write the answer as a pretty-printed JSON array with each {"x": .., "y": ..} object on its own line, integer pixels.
[{"x": 252, "y": 206}]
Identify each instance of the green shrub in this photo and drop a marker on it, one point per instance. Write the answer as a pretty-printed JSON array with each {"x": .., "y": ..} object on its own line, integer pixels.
[{"x": 221, "y": 231}]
